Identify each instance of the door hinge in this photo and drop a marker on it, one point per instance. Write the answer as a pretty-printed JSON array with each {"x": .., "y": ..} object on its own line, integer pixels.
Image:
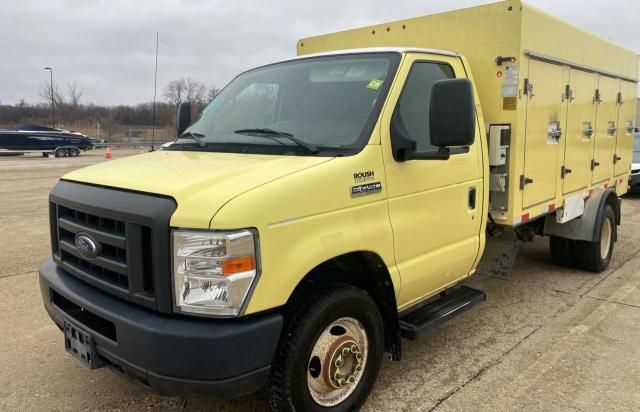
[
  {"x": 564, "y": 171},
  {"x": 596, "y": 97},
  {"x": 528, "y": 87},
  {"x": 524, "y": 181},
  {"x": 594, "y": 164},
  {"x": 616, "y": 158},
  {"x": 619, "y": 98},
  {"x": 568, "y": 93}
]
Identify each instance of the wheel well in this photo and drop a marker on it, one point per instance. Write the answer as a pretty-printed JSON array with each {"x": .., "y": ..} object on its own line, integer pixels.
[
  {"x": 612, "y": 200},
  {"x": 368, "y": 272}
]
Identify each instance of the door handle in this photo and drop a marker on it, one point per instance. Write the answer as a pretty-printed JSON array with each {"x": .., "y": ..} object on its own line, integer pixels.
[
  {"x": 616, "y": 158},
  {"x": 472, "y": 198},
  {"x": 594, "y": 164},
  {"x": 524, "y": 181}
]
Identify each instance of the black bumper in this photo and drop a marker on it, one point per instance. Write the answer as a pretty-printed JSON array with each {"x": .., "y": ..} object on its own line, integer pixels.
[
  {"x": 172, "y": 355},
  {"x": 634, "y": 180}
]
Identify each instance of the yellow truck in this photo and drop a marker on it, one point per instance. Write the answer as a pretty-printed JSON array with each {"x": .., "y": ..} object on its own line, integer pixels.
[{"x": 324, "y": 207}]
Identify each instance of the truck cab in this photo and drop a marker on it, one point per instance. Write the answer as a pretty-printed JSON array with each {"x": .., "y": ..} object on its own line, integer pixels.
[{"x": 284, "y": 235}]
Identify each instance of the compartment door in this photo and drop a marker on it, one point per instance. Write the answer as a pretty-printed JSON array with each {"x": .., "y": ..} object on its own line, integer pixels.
[
  {"x": 606, "y": 129},
  {"x": 545, "y": 118},
  {"x": 626, "y": 122},
  {"x": 579, "y": 136}
]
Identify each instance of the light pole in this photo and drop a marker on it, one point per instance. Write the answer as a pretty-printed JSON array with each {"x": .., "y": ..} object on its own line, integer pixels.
[{"x": 53, "y": 111}]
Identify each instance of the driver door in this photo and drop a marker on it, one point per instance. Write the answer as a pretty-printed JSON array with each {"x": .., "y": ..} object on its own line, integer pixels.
[{"x": 435, "y": 206}]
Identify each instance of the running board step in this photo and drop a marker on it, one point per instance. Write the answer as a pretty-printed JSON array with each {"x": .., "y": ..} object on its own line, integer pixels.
[{"x": 437, "y": 312}]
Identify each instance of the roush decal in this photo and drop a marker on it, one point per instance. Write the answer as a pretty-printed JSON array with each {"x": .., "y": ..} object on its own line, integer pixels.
[
  {"x": 368, "y": 189},
  {"x": 366, "y": 176}
]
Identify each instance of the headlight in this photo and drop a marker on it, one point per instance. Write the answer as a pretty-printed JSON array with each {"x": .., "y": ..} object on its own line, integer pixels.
[{"x": 212, "y": 271}]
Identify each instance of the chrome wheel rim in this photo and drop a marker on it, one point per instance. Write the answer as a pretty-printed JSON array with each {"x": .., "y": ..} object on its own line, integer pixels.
[
  {"x": 337, "y": 361},
  {"x": 605, "y": 239}
]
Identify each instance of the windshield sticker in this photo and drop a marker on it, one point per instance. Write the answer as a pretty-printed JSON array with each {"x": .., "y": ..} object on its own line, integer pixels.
[{"x": 375, "y": 84}]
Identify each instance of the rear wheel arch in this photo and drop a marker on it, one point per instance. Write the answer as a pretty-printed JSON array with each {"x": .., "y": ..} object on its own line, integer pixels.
[
  {"x": 613, "y": 200},
  {"x": 609, "y": 198},
  {"x": 364, "y": 270}
]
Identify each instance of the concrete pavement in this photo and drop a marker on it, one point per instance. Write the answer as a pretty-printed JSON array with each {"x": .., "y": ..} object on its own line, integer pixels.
[{"x": 547, "y": 338}]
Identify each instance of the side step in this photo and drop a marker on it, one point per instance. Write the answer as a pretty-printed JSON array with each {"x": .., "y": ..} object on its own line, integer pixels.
[{"x": 437, "y": 312}]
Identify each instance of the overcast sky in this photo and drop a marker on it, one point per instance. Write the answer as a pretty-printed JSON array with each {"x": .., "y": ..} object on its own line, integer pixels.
[{"x": 107, "y": 47}]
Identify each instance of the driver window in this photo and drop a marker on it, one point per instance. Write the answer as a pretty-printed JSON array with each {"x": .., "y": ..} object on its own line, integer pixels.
[{"x": 412, "y": 109}]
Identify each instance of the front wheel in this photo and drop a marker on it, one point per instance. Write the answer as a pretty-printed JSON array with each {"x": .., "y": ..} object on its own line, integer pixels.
[{"x": 330, "y": 352}]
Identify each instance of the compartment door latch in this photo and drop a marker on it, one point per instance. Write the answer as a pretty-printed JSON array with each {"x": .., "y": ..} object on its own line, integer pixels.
[{"x": 524, "y": 181}]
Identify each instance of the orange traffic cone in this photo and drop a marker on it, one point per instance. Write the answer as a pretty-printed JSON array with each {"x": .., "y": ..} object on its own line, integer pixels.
[{"x": 108, "y": 154}]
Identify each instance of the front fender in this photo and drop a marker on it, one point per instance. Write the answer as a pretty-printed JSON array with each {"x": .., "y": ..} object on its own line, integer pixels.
[{"x": 308, "y": 218}]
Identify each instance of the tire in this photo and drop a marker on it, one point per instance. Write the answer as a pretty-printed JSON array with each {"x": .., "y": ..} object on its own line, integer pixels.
[
  {"x": 562, "y": 251},
  {"x": 315, "y": 317},
  {"x": 596, "y": 256}
]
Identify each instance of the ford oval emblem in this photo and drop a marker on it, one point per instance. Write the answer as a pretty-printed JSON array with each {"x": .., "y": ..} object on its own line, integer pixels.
[{"x": 87, "y": 246}]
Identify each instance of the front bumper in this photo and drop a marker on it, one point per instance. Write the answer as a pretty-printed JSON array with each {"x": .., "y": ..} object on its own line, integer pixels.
[
  {"x": 171, "y": 354},
  {"x": 634, "y": 180}
]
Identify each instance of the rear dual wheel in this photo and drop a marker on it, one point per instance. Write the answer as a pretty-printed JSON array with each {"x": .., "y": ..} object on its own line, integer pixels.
[
  {"x": 329, "y": 353},
  {"x": 591, "y": 256}
]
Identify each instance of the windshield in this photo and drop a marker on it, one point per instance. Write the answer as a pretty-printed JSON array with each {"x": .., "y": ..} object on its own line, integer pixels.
[{"x": 317, "y": 106}]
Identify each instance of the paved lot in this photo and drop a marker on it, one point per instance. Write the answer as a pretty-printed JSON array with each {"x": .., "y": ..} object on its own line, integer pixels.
[{"x": 546, "y": 339}]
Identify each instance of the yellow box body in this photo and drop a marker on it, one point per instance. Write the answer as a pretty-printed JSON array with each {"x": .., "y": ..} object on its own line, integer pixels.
[{"x": 564, "y": 66}]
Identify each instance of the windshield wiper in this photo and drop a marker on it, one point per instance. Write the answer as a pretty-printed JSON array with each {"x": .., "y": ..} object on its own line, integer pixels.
[
  {"x": 195, "y": 136},
  {"x": 270, "y": 133}
]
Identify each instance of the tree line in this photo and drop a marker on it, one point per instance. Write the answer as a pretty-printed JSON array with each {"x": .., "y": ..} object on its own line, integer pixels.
[{"x": 113, "y": 121}]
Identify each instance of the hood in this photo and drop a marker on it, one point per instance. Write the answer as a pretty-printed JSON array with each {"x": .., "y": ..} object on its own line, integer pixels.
[{"x": 200, "y": 182}]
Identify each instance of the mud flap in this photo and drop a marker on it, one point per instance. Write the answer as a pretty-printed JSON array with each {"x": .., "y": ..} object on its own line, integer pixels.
[{"x": 499, "y": 254}]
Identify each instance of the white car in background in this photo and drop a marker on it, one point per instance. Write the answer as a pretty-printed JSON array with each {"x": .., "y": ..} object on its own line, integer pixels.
[{"x": 165, "y": 145}]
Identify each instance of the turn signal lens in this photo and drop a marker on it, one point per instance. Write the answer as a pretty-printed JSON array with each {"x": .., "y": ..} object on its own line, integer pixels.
[{"x": 239, "y": 265}]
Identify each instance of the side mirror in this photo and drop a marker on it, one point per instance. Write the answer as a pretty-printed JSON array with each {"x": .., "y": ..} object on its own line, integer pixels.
[
  {"x": 184, "y": 117},
  {"x": 452, "y": 119}
]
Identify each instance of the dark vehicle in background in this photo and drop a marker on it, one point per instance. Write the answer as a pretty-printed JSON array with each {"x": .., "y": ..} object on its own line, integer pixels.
[
  {"x": 34, "y": 138},
  {"x": 634, "y": 180}
]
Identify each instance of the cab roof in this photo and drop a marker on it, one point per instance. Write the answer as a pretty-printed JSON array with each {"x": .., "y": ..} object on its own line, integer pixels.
[{"x": 377, "y": 50}]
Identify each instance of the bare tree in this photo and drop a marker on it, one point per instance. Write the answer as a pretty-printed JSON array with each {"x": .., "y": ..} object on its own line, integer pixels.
[
  {"x": 196, "y": 91},
  {"x": 45, "y": 93},
  {"x": 212, "y": 93},
  {"x": 74, "y": 93},
  {"x": 109, "y": 122},
  {"x": 175, "y": 92},
  {"x": 185, "y": 90}
]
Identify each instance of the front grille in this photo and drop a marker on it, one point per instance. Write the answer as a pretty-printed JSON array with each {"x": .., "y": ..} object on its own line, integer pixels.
[
  {"x": 111, "y": 265},
  {"x": 111, "y": 269},
  {"x": 131, "y": 231}
]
